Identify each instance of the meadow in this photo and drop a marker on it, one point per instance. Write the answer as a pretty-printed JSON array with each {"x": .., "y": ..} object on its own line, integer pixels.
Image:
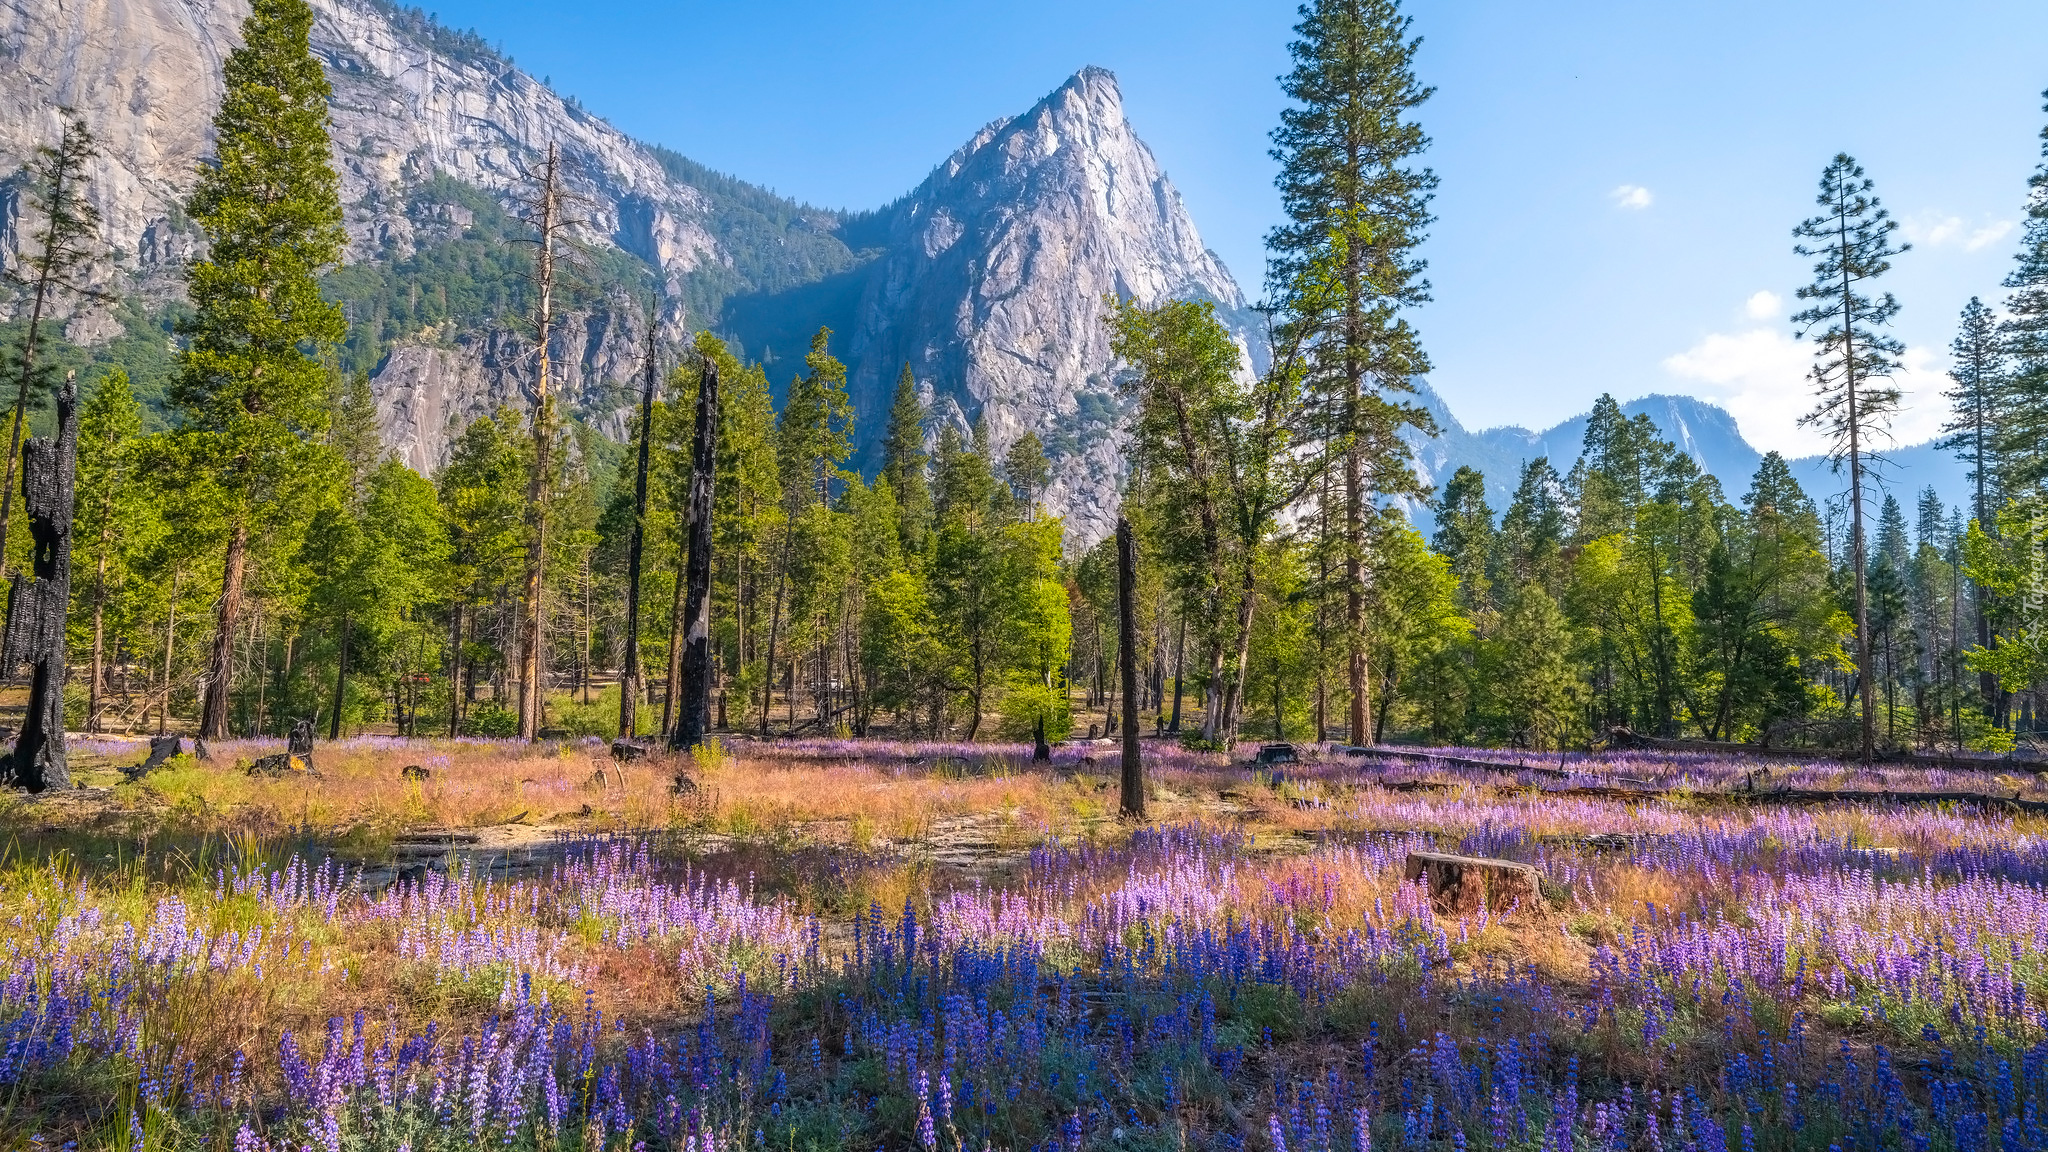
[{"x": 866, "y": 944}]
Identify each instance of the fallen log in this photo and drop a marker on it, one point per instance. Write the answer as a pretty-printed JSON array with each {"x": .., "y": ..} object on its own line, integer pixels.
[
  {"x": 1626, "y": 738},
  {"x": 1451, "y": 761}
]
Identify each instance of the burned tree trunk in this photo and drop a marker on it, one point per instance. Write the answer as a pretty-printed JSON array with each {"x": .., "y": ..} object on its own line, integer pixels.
[
  {"x": 629, "y": 673},
  {"x": 36, "y": 607},
  {"x": 693, "y": 715},
  {"x": 1133, "y": 793}
]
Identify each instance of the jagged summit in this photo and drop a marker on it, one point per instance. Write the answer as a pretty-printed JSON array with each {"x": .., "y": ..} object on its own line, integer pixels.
[{"x": 992, "y": 283}]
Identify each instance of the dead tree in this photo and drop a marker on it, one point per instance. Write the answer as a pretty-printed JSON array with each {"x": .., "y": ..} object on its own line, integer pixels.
[
  {"x": 693, "y": 718},
  {"x": 1133, "y": 798},
  {"x": 629, "y": 673},
  {"x": 532, "y": 636},
  {"x": 36, "y": 607}
]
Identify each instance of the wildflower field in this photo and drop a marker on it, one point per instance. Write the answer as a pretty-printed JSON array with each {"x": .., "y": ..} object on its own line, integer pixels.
[{"x": 841, "y": 944}]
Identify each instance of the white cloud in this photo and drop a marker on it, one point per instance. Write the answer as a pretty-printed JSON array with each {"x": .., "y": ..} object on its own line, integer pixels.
[
  {"x": 1631, "y": 196},
  {"x": 1931, "y": 229},
  {"x": 1991, "y": 233},
  {"x": 1760, "y": 376},
  {"x": 1764, "y": 305},
  {"x": 1935, "y": 230}
]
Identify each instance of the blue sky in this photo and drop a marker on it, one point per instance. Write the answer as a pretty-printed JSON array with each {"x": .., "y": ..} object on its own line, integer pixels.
[{"x": 1619, "y": 180}]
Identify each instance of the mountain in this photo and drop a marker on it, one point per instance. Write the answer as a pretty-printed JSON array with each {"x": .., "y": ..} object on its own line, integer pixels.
[
  {"x": 987, "y": 277},
  {"x": 1704, "y": 430},
  {"x": 989, "y": 284}
]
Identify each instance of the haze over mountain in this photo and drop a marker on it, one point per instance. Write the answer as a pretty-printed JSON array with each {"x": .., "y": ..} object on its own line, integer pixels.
[
  {"x": 987, "y": 278},
  {"x": 1704, "y": 430}
]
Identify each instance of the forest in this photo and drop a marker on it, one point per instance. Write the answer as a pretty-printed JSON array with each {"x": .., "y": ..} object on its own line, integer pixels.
[{"x": 251, "y": 555}]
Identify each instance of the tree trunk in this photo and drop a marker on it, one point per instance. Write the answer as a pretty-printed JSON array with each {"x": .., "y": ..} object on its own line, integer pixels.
[
  {"x": 629, "y": 672},
  {"x": 36, "y": 608},
  {"x": 455, "y": 668},
  {"x": 213, "y": 713},
  {"x": 96, "y": 688},
  {"x": 672, "y": 687},
  {"x": 532, "y": 635},
  {"x": 693, "y": 718},
  {"x": 1180, "y": 659},
  {"x": 1133, "y": 790},
  {"x": 340, "y": 680}
]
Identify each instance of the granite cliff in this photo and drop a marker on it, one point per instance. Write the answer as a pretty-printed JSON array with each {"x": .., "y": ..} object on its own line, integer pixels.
[{"x": 987, "y": 278}]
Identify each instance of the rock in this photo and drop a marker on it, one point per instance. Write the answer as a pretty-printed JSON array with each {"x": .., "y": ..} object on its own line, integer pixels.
[
  {"x": 201, "y": 752},
  {"x": 161, "y": 749},
  {"x": 1276, "y": 754},
  {"x": 1458, "y": 885},
  {"x": 415, "y": 874},
  {"x": 414, "y": 772},
  {"x": 682, "y": 786},
  {"x": 552, "y": 734},
  {"x": 626, "y": 751}
]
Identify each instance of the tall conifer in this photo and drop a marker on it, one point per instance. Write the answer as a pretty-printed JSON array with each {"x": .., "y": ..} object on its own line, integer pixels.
[
  {"x": 904, "y": 458},
  {"x": 1973, "y": 425},
  {"x": 2023, "y": 438},
  {"x": 1852, "y": 237},
  {"x": 67, "y": 246},
  {"x": 1357, "y": 207},
  {"x": 251, "y": 396}
]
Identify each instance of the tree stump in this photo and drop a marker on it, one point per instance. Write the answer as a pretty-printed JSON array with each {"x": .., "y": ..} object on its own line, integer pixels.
[
  {"x": 161, "y": 749},
  {"x": 1459, "y": 885},
  {"x": 1041, "y": 752},
  {"x": 36, "y": 607}
]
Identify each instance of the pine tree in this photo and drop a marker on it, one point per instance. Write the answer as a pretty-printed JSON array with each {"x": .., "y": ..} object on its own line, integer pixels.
[
  {"x": 1852, "y": 237},
  {"x": 904, "y": 459},
  {"x": 352, "y": 430},
  {"x": 1465, "y": 534},
  {"x": 1028, "y": 471},
  {"x": 815, "y": 435},
  {"x": 1975, "y": 419},
  {"x": 1344, "y": 265},
  {"x": 252, "y": 398},
  {"x": 66, "y": 247},
  {"x": 2023, "y": 398},
  {"x": 109, "y": 520},
  {"x": 1534, "y": 527}
]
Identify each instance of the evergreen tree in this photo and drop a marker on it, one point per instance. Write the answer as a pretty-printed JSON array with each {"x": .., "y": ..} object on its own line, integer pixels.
[
  {"x": 1027, "y": 470},
  {"x": 1975, "y": 417},
  {"x": 816, "y": 432},
  {"x": 352, "y": 431},
  {"x": 1893, "y": 543},
  {"x": 1534, "y": 527},
  {"x": 904, "y": 459},
  {"x": 113, "y": 521},
  {"x": 251, "y": 397},
  {"x": 66, "y": 248},
  {"x": 1465, "y": 535},
  {"x": 1852, "y": 237},
  {"x": 1344, "y": 265},
  {"x": 2023, "y": 396}
]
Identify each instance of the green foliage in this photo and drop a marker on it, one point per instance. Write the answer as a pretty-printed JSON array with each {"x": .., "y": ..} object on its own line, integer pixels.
[{"x": 469, "y": 269}]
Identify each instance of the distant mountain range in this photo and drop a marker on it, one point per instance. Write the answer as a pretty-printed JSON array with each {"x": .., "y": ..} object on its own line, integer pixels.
[{"x": 1703, "y": 429}]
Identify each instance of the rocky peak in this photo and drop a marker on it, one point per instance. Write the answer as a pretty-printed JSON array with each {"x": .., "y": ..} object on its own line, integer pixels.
[{"x": 993, "y": 281}]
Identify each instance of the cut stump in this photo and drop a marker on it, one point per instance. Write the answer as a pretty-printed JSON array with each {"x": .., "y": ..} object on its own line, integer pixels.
[{"x": 1460, "y": 885}]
